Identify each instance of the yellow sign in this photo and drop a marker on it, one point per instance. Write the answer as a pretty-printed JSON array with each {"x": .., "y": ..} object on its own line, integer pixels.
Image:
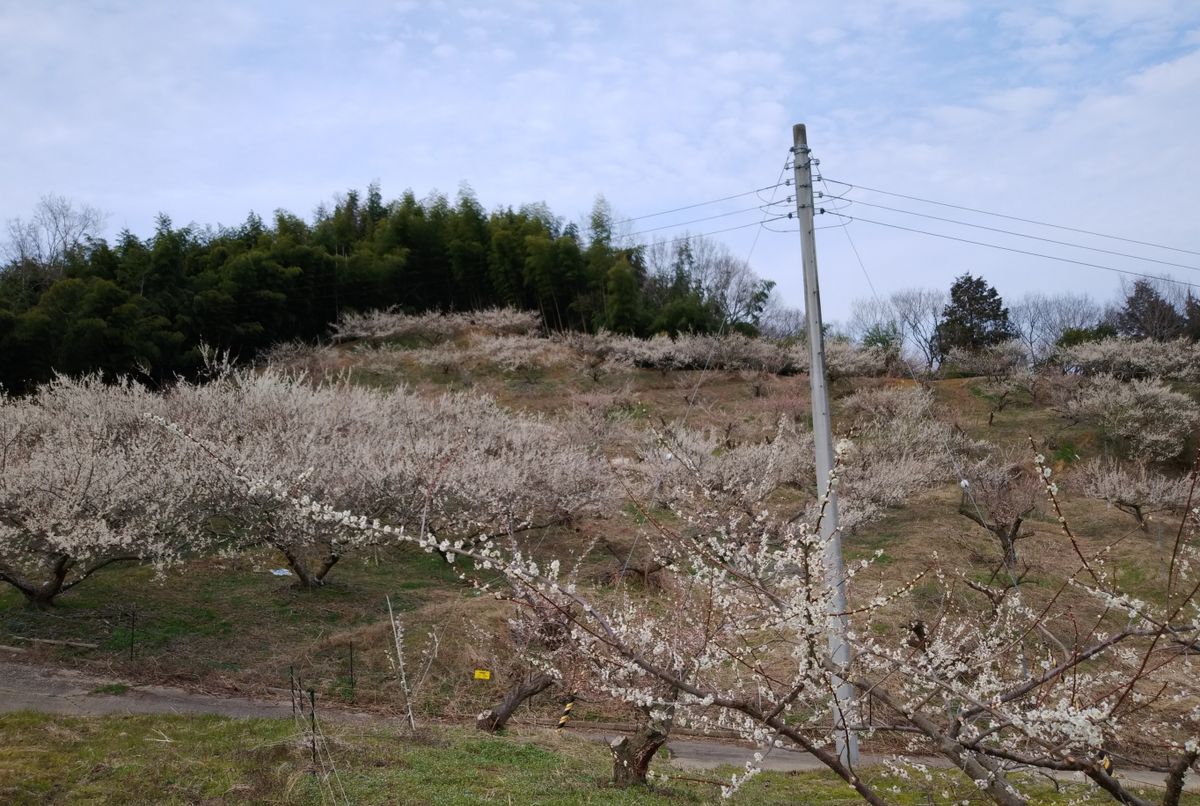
[{"x": 483, "y": 674}]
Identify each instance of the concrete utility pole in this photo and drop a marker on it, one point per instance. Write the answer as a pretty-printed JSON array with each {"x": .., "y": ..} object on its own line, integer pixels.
[{"x": 844, "y": 711}]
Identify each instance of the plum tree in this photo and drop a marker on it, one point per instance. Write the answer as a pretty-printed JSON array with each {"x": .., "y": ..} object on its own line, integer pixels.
[{"x": 86, "y": 481}]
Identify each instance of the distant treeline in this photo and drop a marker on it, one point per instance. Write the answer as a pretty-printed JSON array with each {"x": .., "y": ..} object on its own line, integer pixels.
[{"x": 71, "y": 302}]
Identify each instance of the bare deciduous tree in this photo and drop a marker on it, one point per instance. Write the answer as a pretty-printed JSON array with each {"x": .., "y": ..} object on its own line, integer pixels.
[
  {"x": 917, "y": 311},
  {"x": 780, "y": 321},
  {"x": 998, "y": 493},
  {"x": 868, "y": 314},
  {"x": 1041, "y": 319},
  {"x": 40, "y": 246}
]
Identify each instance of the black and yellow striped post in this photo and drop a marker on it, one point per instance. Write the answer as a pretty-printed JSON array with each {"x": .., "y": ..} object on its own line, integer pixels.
[{"x": 566, "y": 713}]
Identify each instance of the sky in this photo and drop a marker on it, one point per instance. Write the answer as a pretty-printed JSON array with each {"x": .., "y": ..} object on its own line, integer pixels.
[{"x": 1081, "y": 114}]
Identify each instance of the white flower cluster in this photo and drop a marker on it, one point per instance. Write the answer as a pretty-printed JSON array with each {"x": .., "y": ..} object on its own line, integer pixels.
[
  {"x": 1133, "y": 487},
  {"x": 733, "y": 633},
  {"x": 515, "y": 353},
  {"x": 91, "y": 474},
  {"x": 994, "y": 362},
  {"x": 85, "y": 481},
  {"x": 433, "y": 327},
  {"x": 1152, "y": 418},
  {"x": 1128, "y": 359}
]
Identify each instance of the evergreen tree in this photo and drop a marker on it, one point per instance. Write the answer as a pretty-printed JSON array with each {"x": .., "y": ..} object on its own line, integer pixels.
[
  {"x": 467, "y": 247},
  {"x": 1074, "y": 336},
  {"x": 623, "y": 299},
  {"x": 149, "y": 303},
  {"x": 376, "y": 210},
  {"x": 883, "y": 335},
  {"x": 506, "y": 258},
  {"x": 1191, "y": 317},
  {"x": 1147, "y": 314},
  {"x": 974, "y": 319}
]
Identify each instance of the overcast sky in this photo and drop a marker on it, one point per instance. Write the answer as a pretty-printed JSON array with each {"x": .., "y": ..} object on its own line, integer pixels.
[{"x": 1080, "y": 113}]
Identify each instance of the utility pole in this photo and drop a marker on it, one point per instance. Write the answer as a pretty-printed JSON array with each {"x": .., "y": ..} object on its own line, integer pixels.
[{"x": 844, "y": 711}]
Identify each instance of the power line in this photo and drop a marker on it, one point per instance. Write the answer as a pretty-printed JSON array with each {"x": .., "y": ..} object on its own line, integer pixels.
[
  {"x": 690, "y": 237},
  {"x": 695, "y": 393},
  {"x": 825, "y": 194},
  {"x": 1023, "y": 235},
  {"x": 954, "y": 456},
  {"x": 761, "y": 208},
  {"x": 1018, "y": 218},
  {"x": 703, "y": 203},
  {"x": 769, "y": 202},
  {"x": 1014, "y": 250}
]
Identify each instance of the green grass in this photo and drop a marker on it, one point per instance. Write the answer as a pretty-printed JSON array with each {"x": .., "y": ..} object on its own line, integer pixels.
[
  {"x": 1144, "y": 583},
  {"x": 141, "y": 759},
  {"x": 658, "y": 513},
  {"x": 1065, "y": 452},
  {"x": 177, "y": 759},
  {"x": 875, "y": 537},
  {"x": 628, "y": 410},
  {"x": 226, "y": 622},
  {"x": 226, "y": 618},
  {"x": 110, "y": 688}
]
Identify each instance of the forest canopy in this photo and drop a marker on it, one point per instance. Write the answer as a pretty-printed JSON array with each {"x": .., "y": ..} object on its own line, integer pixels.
[{"x": 72, "y": 302}]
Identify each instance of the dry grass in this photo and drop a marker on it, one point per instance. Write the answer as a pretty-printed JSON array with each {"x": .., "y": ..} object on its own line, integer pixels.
[{"x": 228, "y": 624}]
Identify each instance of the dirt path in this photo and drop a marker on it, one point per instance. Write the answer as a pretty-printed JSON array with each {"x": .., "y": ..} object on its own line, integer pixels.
[{"x": 63, "y": 691}]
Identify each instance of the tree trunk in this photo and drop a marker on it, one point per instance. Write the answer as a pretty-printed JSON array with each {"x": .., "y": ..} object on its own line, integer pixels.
[
  {"x": 42, "y": 596},
  {"x": 327, "y": 565},
  {"x": 632, "y": 757},
  {"x": 1175, "y": 778},
  {"x": 1007, "y": 535},
  {"x": 306, "y": 578},
  {"x": 1136, "y": 511},
  {"x": 494, "y": 719},
  {"x": 1114, "y": 788}
]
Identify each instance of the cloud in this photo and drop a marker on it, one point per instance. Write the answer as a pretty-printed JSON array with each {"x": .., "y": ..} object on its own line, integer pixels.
[
  {"x": 1082, "y": 115},
  {"x": 1022, "y": 102}
]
